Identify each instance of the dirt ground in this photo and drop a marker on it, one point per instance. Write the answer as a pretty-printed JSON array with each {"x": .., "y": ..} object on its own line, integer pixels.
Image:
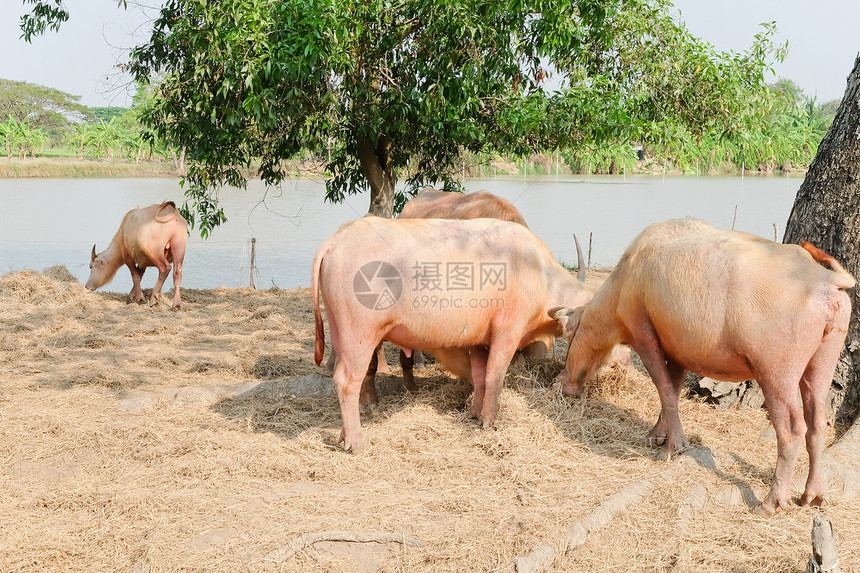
[{"x": 138, "y": 439}]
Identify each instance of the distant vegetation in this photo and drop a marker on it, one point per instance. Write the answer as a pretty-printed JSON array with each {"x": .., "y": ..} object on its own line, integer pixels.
[{"x": 43, "y": 122}]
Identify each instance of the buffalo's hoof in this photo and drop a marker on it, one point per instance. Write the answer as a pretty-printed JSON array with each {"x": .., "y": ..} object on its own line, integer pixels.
[
  {"x": 655, "y": 441},
  {"x": 768, "y": 508},
  {"x": 669, "y": 450},
  {"x": 475, "y": 413},
  {"x": 763, "y": 511},
  {"x": 571, "y": 390},
  {"x": 368, "y": 400},
  {"x": 813, "y": 501},
  {"x": 355, "y": 445},
  {"x": 176, "y": 307}
]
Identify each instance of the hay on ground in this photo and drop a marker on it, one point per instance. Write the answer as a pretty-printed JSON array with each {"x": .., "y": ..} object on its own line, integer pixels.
[{"x": 111, "y": 461}]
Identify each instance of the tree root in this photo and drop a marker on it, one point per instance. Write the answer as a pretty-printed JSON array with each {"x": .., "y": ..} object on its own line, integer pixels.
[
  {"x": 307, "y": 539},
  {"x": 542, "y": 556}
]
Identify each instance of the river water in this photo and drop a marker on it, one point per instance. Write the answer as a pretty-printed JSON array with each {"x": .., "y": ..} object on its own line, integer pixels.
[{"x": 45, "y": 222}]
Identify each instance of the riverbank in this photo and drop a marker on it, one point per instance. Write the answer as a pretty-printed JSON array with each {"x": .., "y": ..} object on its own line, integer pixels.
[
  {"x": 72, "y": 167},
  {"x": 138, "y": 439}
]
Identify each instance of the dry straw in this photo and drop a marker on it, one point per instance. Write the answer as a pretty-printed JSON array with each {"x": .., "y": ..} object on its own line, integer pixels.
[{"x": 128, "y": 445}]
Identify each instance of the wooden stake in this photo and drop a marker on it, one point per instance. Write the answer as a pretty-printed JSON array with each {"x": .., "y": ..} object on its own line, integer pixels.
[
  {"x": 824, "y": 557},
  {"x": 253, "y": 260},
  {"x": 589, "y": 250}
]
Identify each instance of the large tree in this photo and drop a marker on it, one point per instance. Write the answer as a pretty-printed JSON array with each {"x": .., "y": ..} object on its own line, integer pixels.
[
  {"x": 39, "y": 106},
  {"x": 826, "y": 213},
  {"x": 399, "y": 89}
]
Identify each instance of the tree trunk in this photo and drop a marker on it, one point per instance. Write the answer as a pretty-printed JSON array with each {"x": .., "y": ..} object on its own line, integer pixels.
[
  {"x": 826, "y": 213},
  {"x": 377, "y": 167}
]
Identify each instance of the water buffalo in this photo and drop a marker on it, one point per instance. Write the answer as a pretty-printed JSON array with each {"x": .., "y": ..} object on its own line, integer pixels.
[
  {"x": 433, "y": 204},
  {"x": 731, "y": 306},
  {"x": 479, "y": 288},
  {"x": 151, "y": 236}
]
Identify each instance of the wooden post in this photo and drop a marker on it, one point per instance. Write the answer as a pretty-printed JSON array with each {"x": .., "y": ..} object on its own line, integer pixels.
[
  {"x": 588, "y": 266},
  {"x": 775, "y": 238},
  {"x": 253, "y": 260},
  {"x": 824, "y": 557},
  {"x": 735, "y": 218}
]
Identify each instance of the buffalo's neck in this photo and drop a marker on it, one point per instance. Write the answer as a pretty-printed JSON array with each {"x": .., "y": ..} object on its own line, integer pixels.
[
  {"x": 112, "y": 256},
  {"x": 599, "y": 331},
  {"x": 566, "y": 290}
]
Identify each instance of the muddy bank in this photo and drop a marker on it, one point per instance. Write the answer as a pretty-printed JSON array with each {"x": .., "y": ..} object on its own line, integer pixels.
[
  {"x": 72, "y": 167},
  {"x": 136, "y": 438}
]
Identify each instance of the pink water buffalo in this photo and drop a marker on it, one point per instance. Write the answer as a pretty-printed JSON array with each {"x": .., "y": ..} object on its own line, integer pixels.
[
  {"x": 477, "y": 288},
  {"x": 151, "y": 236},
  {"x": 731, "y": 306},
  {"x": 433, "y": 204}
]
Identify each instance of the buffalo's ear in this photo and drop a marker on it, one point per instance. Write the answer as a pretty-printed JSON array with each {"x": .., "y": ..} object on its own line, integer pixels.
[
  {"x": 568, "y": 319},
  {"x": 93, "y": 256}
]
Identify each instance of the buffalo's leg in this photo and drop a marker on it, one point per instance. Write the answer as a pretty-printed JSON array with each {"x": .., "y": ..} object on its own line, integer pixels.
[
  {"x": 368, "y": 395},
  {"x": 667, "y": 379},
  {"x": 348, "y": 375},
  {"x": 417, "y": 359},
  {"x": 478, "y": 359},
  {"x": 788, "y": 421},
  {"x": 178, "y": 254},
  {"x": 657, "y": 435},
  {"x": 136, "y": 293},
  {"x": 499, "y": 359},
  {"x": 382, "y": 363},
  {"x": 813, "y": 391},
  {"x": 407, "y": 363},
  {"x": 814, "y": 387},
  {"x": 163, "y": 266}
]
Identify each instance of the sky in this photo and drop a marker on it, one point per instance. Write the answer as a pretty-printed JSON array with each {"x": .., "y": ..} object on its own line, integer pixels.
[
  {"x": 823, "y": 38},
  {"x": 82, "y": 58}
]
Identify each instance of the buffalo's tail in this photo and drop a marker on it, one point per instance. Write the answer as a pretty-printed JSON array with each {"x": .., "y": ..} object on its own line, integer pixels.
[
  {"x": 169, "y": 215},
  {"x": 319, "y": 344},
  {"x": 843, "y": 277}
]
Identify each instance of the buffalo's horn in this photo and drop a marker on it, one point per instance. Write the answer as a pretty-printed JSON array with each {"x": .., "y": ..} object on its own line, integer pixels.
[{"x": 93, "y": 256}]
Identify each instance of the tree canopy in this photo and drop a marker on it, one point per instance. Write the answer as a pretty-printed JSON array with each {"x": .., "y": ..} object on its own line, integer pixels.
[
  {"x": 40, "y": 106},
  {"x": 399, "y": 89}
]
